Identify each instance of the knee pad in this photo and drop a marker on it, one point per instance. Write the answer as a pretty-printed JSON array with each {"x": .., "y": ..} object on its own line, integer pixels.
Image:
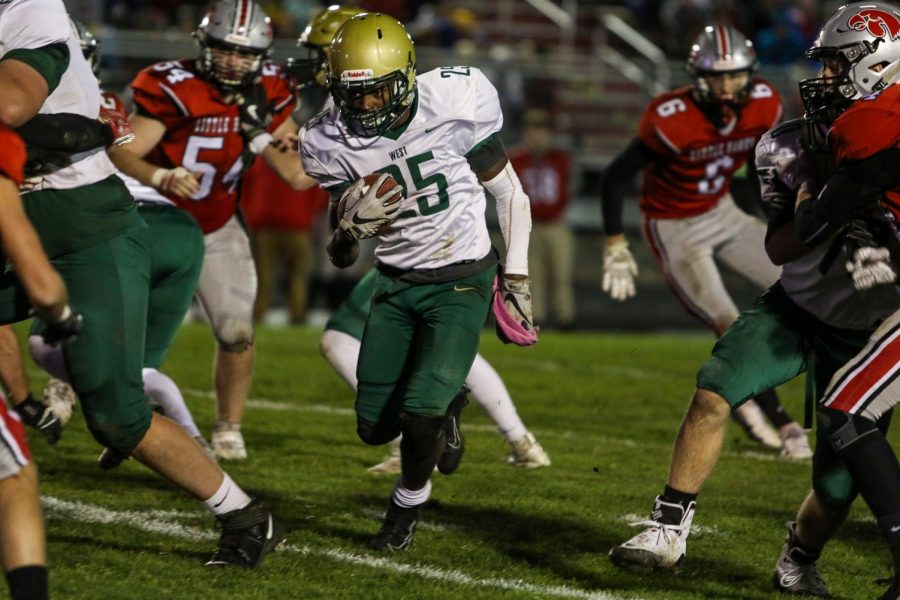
[
  {"x": 376, "y": 434},
  {"x": 235, "y": 335},
  {"x": 844, "y": 429}
]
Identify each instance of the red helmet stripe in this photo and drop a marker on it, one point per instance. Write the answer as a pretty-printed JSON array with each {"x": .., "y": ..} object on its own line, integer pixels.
[
  {"x": 242, "y": 15},
  {"x": 723, "y": 40}
]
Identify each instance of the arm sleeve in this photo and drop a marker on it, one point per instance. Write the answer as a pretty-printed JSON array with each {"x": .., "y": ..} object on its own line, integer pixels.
[
  {"x": 514, "y": 214},
  {"x": 618, "y": 176},
  {"x": 65, "y": 132},
  {"x": 50, "y": 61}
]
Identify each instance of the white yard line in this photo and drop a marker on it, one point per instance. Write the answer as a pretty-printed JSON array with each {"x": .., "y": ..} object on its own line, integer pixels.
[{"x": 160, "y": 522}]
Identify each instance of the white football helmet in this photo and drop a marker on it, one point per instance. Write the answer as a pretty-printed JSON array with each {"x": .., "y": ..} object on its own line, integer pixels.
[
  {"x": 233, "y": 25},
  {"x": 862, "y": 42},
  {"x": 717, "y": 50}
]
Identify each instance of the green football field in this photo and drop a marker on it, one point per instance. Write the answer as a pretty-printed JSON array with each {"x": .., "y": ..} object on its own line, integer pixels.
[{"x": 605, "y": 407}]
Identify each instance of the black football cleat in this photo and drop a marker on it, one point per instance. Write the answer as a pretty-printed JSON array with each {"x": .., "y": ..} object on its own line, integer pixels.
[
  {"x": 397, "y": 532},
  {"x": 453, "y": 451},
  {"x": 248, "y": 534},
  {"x": 110, "y": 459}
]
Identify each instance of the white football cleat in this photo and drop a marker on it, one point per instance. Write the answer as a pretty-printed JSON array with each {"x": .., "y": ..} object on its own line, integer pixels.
[
  {"x": 750, "y": 416},
  {"x": 795, "y": 445},
  {"x": 796, "y": 572},
  {"x": 60, "y": 398},
  {"x": 228, "y": 442},
  {"x": 527, "y": 453},
  {"x": 391, "y": 463},
  {"x": 660, "y": 545}
]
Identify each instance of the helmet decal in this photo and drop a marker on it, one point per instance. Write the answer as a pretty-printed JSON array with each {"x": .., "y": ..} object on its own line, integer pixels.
[
  {"x": 723, "y": 42},
  {"x": 879, "y": 23}
]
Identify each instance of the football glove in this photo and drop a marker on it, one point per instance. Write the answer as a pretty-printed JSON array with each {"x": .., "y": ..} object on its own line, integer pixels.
[
  {"x": 255, "y": 118},
  {"x": 41, "y": 417},
  {"x": 363, "y": 212},
  {"x": 517, "y": 300},
  {"x": 63, "y": 330},
  {"x": 119, "y": 125},
  {"x": 871, "y": 266},
  {"x": 619, "y": 271}
]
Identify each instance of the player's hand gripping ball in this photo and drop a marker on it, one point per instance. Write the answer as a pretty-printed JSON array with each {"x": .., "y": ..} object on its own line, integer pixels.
[{"x": 369, "y": 205}]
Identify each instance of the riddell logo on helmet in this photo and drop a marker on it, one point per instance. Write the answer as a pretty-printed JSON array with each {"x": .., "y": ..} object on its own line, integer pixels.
[
  {"x": 879, "y": 23},
  {"x": 356, "y": 75}
]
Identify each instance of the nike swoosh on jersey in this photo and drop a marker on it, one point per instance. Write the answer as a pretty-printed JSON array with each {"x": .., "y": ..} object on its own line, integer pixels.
[{"x": 465, "y": 288}]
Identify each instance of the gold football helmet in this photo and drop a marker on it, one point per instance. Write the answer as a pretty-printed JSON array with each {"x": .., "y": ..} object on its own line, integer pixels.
[
  {"x": 372, "y": 54},
  {"x": 315, "y": 39}
]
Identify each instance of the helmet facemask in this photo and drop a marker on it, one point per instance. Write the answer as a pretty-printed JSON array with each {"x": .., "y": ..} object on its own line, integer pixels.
[
  {"x": 828, "y": 95},
  {"x": 351, "y": 87},
  {"x": 230, "y": 73},
  {"x": 309, "y": 68}
]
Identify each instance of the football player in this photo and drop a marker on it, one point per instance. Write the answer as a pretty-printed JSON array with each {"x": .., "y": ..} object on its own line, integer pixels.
[
  {"x": 812, "y": 315},
  {"x": 436, "y": 134},
  {"x": 341, "y": 340},
  {"x": 23, "y": 553},
  {"x": 859, "y": 49},
  {"x": 176, "y": 255},
  {"x": 690, "y": 143},
  {"x": 194, "y": 120},
  {"x": 91, "y": 231}
]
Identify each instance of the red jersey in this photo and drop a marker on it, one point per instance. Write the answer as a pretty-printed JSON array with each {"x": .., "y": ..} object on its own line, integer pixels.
[
  {"x": 203, "y": 132},
  {"x": 12, "y": 159},
  {"x": 869, "y": 126},
  {"x": 545, "y": 178},
  {"x": 699, "y": 160},
  {"x": 270, "y": 203}
]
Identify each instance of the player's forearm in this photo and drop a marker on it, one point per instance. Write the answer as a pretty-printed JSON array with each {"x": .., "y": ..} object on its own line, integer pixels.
[
  {"x": 617, "y": 177},
  {"x": 287, "y": 165},
  {"x": 133, "y": 165},
  {"x": 12, "y": 373},
  {"x": 66, "y": 132},
  {"x": 43, "y": 285}
]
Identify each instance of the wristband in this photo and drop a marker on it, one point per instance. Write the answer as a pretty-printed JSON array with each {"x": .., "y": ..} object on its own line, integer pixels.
[{"x": 259, "y": 143}]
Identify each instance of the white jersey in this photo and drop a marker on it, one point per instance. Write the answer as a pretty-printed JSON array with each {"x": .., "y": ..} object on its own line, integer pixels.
[
  {"x": 442, "y": 215},
  {"x": 829, "y": 296},
  {"x": 33, "y": 24}
]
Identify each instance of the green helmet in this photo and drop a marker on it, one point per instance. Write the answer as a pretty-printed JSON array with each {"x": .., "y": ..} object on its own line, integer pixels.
[
  {"x": 315, "y": 39},
  {"x": 369, "y": 52}
]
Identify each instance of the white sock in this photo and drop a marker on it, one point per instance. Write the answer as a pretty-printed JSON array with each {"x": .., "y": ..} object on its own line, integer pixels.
[
  {"x": 405, "y": 498},
  {"x": 227, "y": 498},
  {"x": 342, "y": 351},
  {"x": 163, "y": 390},
  {"x": 50, "y": 358},
  {"x": 489, "y": 392}
]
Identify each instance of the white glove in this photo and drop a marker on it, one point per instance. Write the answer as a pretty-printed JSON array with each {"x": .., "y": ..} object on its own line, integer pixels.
[
  {"x": 871, "y": 266},
  {"x": 619, "y": 271},
  {"x": 31, "y": 183},
  {"x": 363, "y": 212},
  {"x": 517, "y": 300}
]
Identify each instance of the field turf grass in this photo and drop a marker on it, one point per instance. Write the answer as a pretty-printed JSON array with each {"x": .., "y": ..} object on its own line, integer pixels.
[{"x": 605, "y": 407}]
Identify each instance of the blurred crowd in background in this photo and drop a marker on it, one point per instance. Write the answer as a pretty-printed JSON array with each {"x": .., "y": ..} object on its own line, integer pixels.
[{"x": 781, "y": 29}]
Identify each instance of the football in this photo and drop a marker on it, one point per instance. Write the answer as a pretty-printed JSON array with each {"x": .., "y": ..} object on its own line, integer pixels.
[{"x": 386, "y": 186}]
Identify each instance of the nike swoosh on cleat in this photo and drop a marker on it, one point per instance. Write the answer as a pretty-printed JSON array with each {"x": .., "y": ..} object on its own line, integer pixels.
[
  {"x": 895, "y": 528},
  {"x": 789, "y": 580},
  {"x": 270, "y": 531}
]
